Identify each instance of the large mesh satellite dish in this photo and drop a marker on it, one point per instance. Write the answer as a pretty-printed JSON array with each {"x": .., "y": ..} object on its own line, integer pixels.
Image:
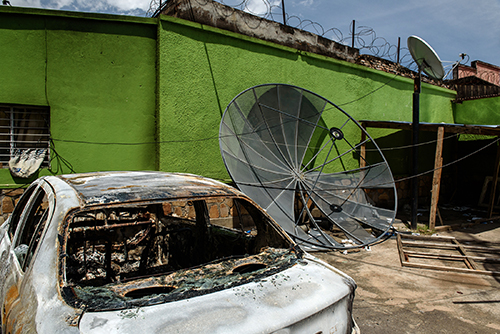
[{"x": 286, "y": 148}]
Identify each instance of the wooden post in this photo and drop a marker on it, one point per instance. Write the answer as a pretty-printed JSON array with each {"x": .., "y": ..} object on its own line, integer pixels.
[
  {"x": 494, "y": 184},
  {"x": 436, "y": 180},
  {"x": 362, "y": 150}
]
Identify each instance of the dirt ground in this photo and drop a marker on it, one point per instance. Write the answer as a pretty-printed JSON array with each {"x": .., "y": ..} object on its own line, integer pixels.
[{"x": 395, "y": 299}]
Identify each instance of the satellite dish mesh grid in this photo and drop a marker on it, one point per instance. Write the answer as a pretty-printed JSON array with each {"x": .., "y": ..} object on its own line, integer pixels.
[{"x": 286, "y": 148}]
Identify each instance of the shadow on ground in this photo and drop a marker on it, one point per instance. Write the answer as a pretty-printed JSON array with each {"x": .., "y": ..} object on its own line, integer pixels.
[{"x": 395, "y": 299}]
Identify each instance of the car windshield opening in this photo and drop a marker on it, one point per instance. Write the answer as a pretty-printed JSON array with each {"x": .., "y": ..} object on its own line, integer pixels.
[{"x": 132, "y": 255}]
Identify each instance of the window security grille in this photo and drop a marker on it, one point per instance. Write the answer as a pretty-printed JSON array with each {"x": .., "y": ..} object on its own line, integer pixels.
[{"x": 22, "y": 128}]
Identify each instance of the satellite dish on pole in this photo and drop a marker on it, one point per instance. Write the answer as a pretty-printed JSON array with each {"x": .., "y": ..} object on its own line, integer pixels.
[
  {"x": 425, "y": 57},
  {"x": 428, "y": 61}
]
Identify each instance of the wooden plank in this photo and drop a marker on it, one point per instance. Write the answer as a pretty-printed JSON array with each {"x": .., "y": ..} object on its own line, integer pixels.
[
  {"x": 494, "y": 184},
  {"x": 436, "y": 180},
  {"x": 402, "y": 257},
  {"x": 429, "y": 245},
  {"x": 465, "y": 225},
  {"x": 468, "y": 262},
  {"x": 449, "y": 128},
  {"x": 449, "y": 246},
  {"x": 482, "y": 220},
  {"x": 482, "y": 249},
  {"x": 452, "y": 269},
  {"x": 439, "y": 215},
  {"x": 481, "y": 201},
  {"x": 450, "y": 256},
  {"x": 424, "y": 237},
  {"x": 362, "y": 150}
]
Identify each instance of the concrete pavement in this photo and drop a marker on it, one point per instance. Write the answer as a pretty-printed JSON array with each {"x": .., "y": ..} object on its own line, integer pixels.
[{"x": 395, "y": 299}]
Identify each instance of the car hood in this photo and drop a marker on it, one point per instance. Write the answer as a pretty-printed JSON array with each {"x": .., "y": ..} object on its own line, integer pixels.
[{"x": 262, "y": 306}]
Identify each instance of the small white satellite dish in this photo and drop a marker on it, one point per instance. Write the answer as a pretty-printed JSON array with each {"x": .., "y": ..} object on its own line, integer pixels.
[{"x": 425, "y": 57}]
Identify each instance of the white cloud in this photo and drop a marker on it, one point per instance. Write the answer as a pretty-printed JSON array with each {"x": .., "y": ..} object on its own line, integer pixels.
[
  {"x": 103, "y": 6},
  {"x": 260, "y": 7},
  {"x": 25, "y": 3},
  {"x": 305, "y": 3}
]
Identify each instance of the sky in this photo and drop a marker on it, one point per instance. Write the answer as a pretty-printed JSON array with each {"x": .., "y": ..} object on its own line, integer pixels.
[{"x": 451, "y": 27}]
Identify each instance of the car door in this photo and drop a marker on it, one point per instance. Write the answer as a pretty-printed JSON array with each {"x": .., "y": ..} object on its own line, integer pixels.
[
  {"x": 8, "y": 272},
  {"x": 28, "y": 220}
]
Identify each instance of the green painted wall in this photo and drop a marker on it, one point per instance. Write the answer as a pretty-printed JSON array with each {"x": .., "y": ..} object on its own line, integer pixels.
[
  {"x": 481, "y": 111},
  {"x": 201, "y": 69},
  {"x": 98, "y": 75},
  {"x": 159, "y": 87}
]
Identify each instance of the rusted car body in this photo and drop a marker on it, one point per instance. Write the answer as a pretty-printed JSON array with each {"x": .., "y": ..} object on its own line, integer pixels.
[{"x": 118, "y": 252}]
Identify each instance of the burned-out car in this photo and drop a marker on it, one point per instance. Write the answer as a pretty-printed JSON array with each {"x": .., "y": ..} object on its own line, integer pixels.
[{"x": 121, "y": 252}]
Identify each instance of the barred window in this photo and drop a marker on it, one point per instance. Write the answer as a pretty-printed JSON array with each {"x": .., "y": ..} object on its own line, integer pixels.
[{"x": 23, "y": 129}]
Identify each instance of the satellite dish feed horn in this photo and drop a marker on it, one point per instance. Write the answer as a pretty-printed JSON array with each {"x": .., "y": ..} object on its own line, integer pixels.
[{"x": 292, "y": 152}]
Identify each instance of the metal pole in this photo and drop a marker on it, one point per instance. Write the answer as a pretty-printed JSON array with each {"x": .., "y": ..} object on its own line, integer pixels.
[
  {"x": 399, "y": 48},
  {"x": 353, "y": 31},
  {"x": 415, "y": 129},
  {"x": 283, "y": 9}
]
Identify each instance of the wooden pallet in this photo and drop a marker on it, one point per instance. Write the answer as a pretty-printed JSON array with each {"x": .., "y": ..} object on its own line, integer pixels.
[{"x": 446, "y": 250}]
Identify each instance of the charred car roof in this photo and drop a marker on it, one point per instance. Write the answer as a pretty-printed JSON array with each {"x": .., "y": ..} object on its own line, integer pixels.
[{"x": 122, "y": 187}]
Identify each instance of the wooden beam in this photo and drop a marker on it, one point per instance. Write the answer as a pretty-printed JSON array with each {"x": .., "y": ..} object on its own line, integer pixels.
[
  {"x": 453, "y": 269},
  {"x": 402, "y": 257},
  {"x": 468, "y": 262},
  {"x": 494, "y": 183},
  {"x": 449, "y": 246},
  {"x": 362, "y": 150},
  {"x": 428, "y": 255},
  {"x": 449, "y": 128},
  {"x": 439, "y": 215},
  {"x": 436, "y": 180},
  {"x": 427, "y": 238}
]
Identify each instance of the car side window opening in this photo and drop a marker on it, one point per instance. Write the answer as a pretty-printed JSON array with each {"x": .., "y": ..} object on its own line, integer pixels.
[
  {"x": 35, "y": 220},
  {"x": 15, "y": 217}
]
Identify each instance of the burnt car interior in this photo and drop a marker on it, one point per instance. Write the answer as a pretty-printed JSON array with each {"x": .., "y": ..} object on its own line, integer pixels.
[{"x": 169, "y": 248}]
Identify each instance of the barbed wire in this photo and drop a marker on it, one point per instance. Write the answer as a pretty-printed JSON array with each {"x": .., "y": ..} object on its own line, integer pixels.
[{"x": 365, "y": 38}]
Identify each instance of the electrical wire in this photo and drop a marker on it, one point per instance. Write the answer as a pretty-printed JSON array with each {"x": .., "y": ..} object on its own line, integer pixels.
[
  {"x": 374, "y": 185},
  {"x": 448, "y": 164},
  {"x": 201, "y": 139},
  {"x": 226, "y": 136},
  {"x": 411, "y": 145},
  {"x": 59, "y": 160}
]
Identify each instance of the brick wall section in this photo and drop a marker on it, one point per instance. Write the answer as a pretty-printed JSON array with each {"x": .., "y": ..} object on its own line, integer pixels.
[
  {"x": 228, "y": 18},
  {"x": 221, "y": 212},
  {"x": 392, "y": 67},
  {"x": 9, "y": 200}
]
